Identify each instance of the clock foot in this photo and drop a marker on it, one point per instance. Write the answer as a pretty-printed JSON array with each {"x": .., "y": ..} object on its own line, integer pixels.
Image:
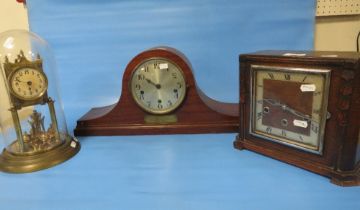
[
  {"x": 238, "y": 144},
  {"x": 347, "y": 179}
]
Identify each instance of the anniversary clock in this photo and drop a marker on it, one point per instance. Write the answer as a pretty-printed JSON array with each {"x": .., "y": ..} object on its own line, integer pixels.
[
  {"x": 160, "y": 96},
  {"x": 303, "y": 108},
  {"x": 32, "y": 122}
]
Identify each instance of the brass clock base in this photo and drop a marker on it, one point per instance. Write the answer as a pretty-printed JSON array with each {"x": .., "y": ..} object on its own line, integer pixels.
[{"x": 11, "y": 163}]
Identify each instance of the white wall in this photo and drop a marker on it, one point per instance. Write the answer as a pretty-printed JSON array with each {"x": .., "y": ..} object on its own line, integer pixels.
[
  {"x": 13, "y": 15},
  {"x": 337, "y": 32}
]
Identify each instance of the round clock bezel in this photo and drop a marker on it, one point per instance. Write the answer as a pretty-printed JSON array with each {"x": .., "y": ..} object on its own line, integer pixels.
[
  {"x": 24, "y": 98},
  {"x": 162, "y": 111}
]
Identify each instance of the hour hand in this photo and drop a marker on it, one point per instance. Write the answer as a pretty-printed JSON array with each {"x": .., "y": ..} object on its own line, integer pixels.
[
  {"x": 158, "y": 86},
  {"x": 17, "y": 80}
]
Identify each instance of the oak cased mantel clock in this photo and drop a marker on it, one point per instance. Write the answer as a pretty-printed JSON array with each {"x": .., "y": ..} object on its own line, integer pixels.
[
  {"x": 303, "y": 108},
  {"x": 160, "y": 96}
]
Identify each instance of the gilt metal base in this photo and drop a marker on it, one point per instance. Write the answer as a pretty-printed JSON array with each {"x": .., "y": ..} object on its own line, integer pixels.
[{"x": 12, "y": 163}]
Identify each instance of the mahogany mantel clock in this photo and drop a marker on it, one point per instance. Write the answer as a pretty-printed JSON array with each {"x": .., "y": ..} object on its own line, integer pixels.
[
  {"x": 160, "y": 96},
  {"x": 303, "y": 108}
]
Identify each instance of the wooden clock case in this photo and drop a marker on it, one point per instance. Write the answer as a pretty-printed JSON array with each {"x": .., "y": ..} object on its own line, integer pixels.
[
  {"x": 340, "y": 159},
  {"x": 197, "y": 114}
]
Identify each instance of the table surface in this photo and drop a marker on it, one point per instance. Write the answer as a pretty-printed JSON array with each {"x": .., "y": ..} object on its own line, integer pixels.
[{"x": 171, "y": 172}]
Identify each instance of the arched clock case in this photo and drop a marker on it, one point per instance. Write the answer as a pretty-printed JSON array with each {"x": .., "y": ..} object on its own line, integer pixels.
[{"x": 160, "y": 96}]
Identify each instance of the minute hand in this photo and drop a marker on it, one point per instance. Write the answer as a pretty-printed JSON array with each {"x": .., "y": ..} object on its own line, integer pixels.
[
  {"x": 297, "y": 113},
  {"x": 289, "y": 109}
]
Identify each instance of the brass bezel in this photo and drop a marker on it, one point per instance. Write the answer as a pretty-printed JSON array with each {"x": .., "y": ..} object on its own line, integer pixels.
[
  {"x": 152, "y": 111},
  {"x": 23, "y": 98}
]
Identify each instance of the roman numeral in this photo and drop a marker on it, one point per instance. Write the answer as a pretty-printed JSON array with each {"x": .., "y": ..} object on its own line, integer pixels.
[
  {"x": 268, "y": 130},
  {"x": 314, "y": 128},
  {"x": 301, "y": 138},
  {"x": 271, "y": 75},
  {"x": 304, "y": 79},
  {"x": 287, "y": 76}
]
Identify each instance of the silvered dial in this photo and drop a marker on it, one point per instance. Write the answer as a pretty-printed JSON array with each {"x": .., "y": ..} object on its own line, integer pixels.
[
  {"x": 28, "y": 83},
  {"x": 290, "y": 105},
  {"x": 158, "y": 86}
]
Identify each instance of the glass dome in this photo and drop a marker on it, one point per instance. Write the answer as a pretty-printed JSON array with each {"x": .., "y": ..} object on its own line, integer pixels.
[{"x": 31, "y": 114}]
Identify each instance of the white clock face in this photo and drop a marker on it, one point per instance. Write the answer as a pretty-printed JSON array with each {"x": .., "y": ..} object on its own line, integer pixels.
[
  {"x": 158, "y": 86},
  {"x": 290, "y": 105},
  {"x": 28, "y": 83}
]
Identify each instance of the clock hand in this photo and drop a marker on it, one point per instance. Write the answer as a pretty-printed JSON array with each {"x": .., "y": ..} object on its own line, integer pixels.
[
  {"x": 297, "y": 113},
  {"x": 158, "y": 86},
  {"x": 29, "y": 83},
  {"x": 289, "y": 109},
  {"x": 19, "y": 80},
  {"x": 149, "y": 81},
  {"x": 272, "y": 101}
]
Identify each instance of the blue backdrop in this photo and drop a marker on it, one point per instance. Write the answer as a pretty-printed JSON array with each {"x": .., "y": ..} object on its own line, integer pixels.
[{"x": 94, "y": 40}]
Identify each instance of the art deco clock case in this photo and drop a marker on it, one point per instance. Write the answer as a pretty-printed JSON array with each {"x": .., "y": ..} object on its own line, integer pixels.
[
  {"x": 303, "y": 108},
  {"x": 160, "y": 96}
]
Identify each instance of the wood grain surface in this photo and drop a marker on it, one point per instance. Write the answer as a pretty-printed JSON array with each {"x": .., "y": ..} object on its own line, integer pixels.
[{"x": 340, "y": 160}]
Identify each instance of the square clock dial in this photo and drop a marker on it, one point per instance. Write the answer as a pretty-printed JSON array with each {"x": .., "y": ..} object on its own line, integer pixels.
[{"x": 289, "y": 105}]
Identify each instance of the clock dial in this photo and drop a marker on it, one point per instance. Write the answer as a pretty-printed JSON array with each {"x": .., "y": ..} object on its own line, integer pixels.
[
  {"x": 158, "y": 86},
  {"x": 289, "y": 105},
  {"x": 28, "y": 83}
]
